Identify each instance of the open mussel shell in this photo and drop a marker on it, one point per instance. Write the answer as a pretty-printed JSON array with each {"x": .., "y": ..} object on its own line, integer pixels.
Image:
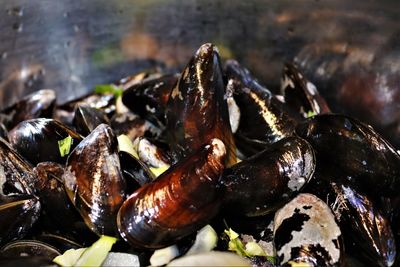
[
  {"x": 148, "y": 98},
  {"x": 18, "y": 216},
  {"x": 135, "y": 172},
  {"x": 27, "y": 261},
  {"x": 300, "y": 94},
  {"x": 270, "y": 119},
  {"x": 86, "y": 119},
  {"x": 264, "y": 182},
  {"x": 94, "y": 181},
  {"x": 353, "y": 151},
  {"x": 179, "y": 202},
  {"x": 40, "y": 140},
  {"x": 39, "y": 104},
  {"x": 197, "y": 110},
  {"x": 16, "y": 176},
  {"x": 305, "y": 232}
]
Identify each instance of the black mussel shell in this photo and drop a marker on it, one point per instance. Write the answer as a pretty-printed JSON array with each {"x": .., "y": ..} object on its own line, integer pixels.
[
  {"x": 58, "y": 212},
  {"x": 16, "y": 175},
  {"x": 3, "y": 132},
  {"x": 29, "y": 248},
  {"x": 135, "y": 172},
  {"x": 27, "y": 261},
  {"x": 301, "y": 94},
  {"x": 86, "y": 119},
  {"x": 197, "y": 110},
  {"x": 352, "y": 151},
  {"x": 305, "y": 232},
  {"x": 94, "y": 181},
  {"x": 39, "y": 104},
  {"x": 270, "y": 119},
  {"x": 40, "y": 140},
  {"x": 18, "y": 214},
  {"x": 179, "y": 202},
  {"x": 59, "y": 242},
  {"x": 132, "y": 126},
  {"x": 366, "y": 231},
  {"x": 148, "y": 98},
  {"x": 264, "y": 182}
]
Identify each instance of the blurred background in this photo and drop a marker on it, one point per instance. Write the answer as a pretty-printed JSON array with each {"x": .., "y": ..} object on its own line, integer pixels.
[{"x": 349, "y": 49}]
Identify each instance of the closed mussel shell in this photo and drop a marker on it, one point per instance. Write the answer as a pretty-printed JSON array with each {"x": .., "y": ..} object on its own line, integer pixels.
[
  {"x": 270, "y": 119},
  {"x": 135, "y": 172},
  {"x": 86, "y": 119},
  {"x": 40, "y": 140},
  {"x": 177, "y": 203},
  {"x": 263, "y": 183},
  {"x": 148, "y": 98},
  {"x": 39, "y": 104},
  {"x": 197, "y": 110},
  {"x": 94, "y": 182},
  {"x": 18, "y": 216},
  {"x": 354, "y": 152},
  {"x": 366, "y": 231},
  {"x": 305, "y": 232},
  {"x": 300, "y": 94}
]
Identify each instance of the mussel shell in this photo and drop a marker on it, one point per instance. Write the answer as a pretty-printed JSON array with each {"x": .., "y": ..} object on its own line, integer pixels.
[
  {"x": 305, "y": 232},
  {"x": 29, "y": 248},
  {"x": 177, "y": 203},
  {"x": 18, "y": 216},
  {"x": 197, "y": 110},
  {"x": 58, "y": 212},
  {"x": 59, "y": 242},
  {"x": 148, "y": 98},
  {"x": 16, "y": 175},
  {"x": 135, "y": 172},
  {"x": 86, "y": 119},
  {"x": 132, "y": 126},
  {"x": 37, "y": 140},
  {"x": 300, "y": 94},
  {"x": 261, "y": 184},
  {"x": 3, "y": 132},
  {"x": 353, "y": 151},
  {"x": 270, "y": 119},
  {"x": 94, "y": 182},
  {"x": 39, "y": 104},
  {"x": 27, "y": 261}
]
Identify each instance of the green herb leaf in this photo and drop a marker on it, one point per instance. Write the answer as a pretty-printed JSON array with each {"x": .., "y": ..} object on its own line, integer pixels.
[
  {"x": 64, "y": 145},
  {"x": 250, "y": 249},
  {"x": 311, "y": 113},
  {"x": 108, "y": 89}
]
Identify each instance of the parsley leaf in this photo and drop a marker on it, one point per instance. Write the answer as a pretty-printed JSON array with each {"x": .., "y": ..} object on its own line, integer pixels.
[
  {"x": 108, "y": 89},
  {"x": 64, "y": 145}
]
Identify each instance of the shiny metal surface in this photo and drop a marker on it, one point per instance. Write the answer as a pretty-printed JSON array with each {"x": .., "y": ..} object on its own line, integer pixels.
[{"x": 350, "y": 49}]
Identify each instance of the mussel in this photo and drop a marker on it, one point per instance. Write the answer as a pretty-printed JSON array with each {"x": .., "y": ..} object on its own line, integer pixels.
[
  {"x": 16, "y": 175},
  {"x": 94, "y": 182},
  {"x": 18, "y": 216},
  {"x": 300, "y": 94},
  {"x": 196, "y": 109},
  {"x": 177, "y": 203},
  {"x": 262, "y": 183},
  {"x": 305, "y": 232},
  {"x": 148, "y": 98},
  {"x": 264, "y": 119},
  {"x": 351, "y": 150},
  {"x": 42, "y": 139},
  {"x": 86, "y": 119},
  {"x": 39, "y": 104}
]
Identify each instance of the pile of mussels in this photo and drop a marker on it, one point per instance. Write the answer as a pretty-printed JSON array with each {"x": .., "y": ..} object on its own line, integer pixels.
[{"x": 280, "y": 169}]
